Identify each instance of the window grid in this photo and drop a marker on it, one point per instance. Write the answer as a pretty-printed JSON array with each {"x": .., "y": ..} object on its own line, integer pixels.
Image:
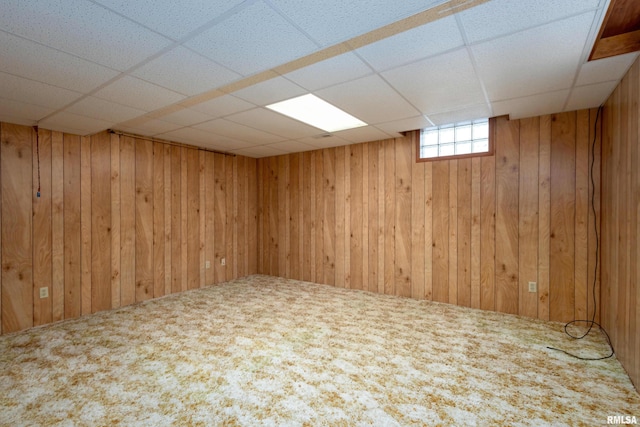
[{"x": 470, "y": 137}]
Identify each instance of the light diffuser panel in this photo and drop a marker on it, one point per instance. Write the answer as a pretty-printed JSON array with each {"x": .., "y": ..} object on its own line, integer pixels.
[{"x": 316, "y": 112}]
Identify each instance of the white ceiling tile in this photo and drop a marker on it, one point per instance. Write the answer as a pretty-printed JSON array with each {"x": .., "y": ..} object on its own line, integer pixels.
[
  {"x": 35, "y": 93},
  {"x": 404, "y": 125},
  {"x": 292, "y": 146},
  {"x": 323, "y": 141},
  {"x": 421, "y": 42},
  {"x": 173, "y": 18},
  {"x": 104, "y": 110},
  {"x": 606, "y": 69},
  {"x": 331, "y": 21},
  {"x": 590, "y": 96},
  {"x": 363, "y": 134},
  {"x": 252, "y": 40},
  {"x": 369, "y": 99},
  {"x": 442, "y": 83},
  {"x": 185, "y": 72},
  {"x": 480, "y": 111},
  {"x": 237, "y": 131},
  {"x": 186, "y": 117},
  {"x": 82, "y": 28},
  {"x": 339, "y": 69},
  {"x": 500, "y": 17},
  {"x": 259, "y": 151},
  {"x": 202, "y": 138},
  {"x": 17, "y": 120},
  {"x": 274, "y": 123},
  {"x": 223, "y": 106},
  {"x": 139, "y": 94},
  {"x": 524, "y": 63},
  {"x": 73, "y": 123},
  {"x": 22, "y": 111},
  {"x": 530, "y": 106},
  {"x": 270, "y": 91},
  {"x": 150, "y": 128},
  {"x": 34, "y": 61}
]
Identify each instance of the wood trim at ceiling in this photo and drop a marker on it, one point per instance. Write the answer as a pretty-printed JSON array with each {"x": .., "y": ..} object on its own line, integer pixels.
[{"x": 620, "y": 31}]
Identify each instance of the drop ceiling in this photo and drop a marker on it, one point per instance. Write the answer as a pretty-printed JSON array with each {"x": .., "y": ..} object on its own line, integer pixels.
[{"x": 201, "y": 72}]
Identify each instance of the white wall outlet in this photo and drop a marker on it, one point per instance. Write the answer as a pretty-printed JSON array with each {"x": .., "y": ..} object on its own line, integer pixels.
[
  {"x": 533, "y": 287},
  {"x": 44, "y": 292},
  {"x": 223, "y": 261},
  {"x": 207, "y": 264}
]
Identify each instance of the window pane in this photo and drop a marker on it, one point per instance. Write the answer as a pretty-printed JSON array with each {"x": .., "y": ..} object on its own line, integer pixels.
[
  {"x": 481, "y": 130},
  {"x": 460, "y": 138},
  {"x": 463, "y": 133},
  {"x": 481, "y": 146},
  {"x": 463, "y": 147},
  {"x": 429, "y": 151},
  {"x": 447, "y": 149},
  {"x": 447, "y": 135},
  {"x": 430, "y": 137}
]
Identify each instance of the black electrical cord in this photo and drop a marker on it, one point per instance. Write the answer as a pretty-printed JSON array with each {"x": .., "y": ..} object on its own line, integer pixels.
[
  {"x": 591, "y": 322},
  {"x": 35, "y": 128}
]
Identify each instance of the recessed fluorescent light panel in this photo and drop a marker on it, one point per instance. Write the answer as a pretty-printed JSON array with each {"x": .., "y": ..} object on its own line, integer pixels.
[{"x": 318, "y": 113}]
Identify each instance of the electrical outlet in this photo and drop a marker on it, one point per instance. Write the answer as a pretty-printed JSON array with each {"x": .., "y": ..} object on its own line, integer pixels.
[
  {"x": 223, "y": 261},
  {"x": 207, "y": 264},
  {"x": 44, "y": 292},
  {"x": 533, "y": 287}
]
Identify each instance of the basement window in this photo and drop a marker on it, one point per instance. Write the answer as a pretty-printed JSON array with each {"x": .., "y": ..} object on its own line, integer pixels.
[{"x": 456, "y": 140}]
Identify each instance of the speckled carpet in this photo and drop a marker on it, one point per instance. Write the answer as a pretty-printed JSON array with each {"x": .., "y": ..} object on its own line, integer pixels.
[{"x": 269, "y": 351}]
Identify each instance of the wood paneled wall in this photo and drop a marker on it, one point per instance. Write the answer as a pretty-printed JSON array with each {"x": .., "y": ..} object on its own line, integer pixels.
[
  {"x": 472, "y": 232},
  {"x": 621, "y": 221},
  {"x": 119, "y": 220}
]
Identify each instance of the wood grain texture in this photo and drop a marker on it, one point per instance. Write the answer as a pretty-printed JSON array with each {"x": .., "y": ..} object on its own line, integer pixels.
[
  {"x": 105, "y": 216},
  {"x": 488, "y": 231},
  {"x": 403, "y": 190},
  {"x": 201, "y": 216},
  {"x": 374, "y": 216},
  {"x": 476, "y": 175},
  {"x": 507, "y": 178},
  {"x": 428, "y": 231},
  {"x": 16, "y": 252},
  {"x": 440, "y": 231},
  {"x": 581, "y": 233},
  {"x": 168, "y": 265},
  {"x": 356, "y": 217},
  {"x": 42, "y": 264},
  {"x": 158, "y": 221},
  {"x": 329, "y": 225},
  {"x": 620, "y": 220},
  {"x": 417, "y": 224},
  {"x": 319, "y": 230},
  {"x": 85, "y": 225},
  {"x": 127, "y": 221},
  {"x": 115, "y": 221},
  {"x": 340, "y": 239},
  {"x": 144, "y": 220},
  {"x": 528, "y": 216},
  {"x": 389, "y": 216},
  {"x": 453, "y": 232},
  {"x": 57, "y": 226},
  {"x": 295, "y": 270},
  {"x": 184, "y": 241},
  {"x": 193, "y": 219},
  {"x": 544, "y": 215},
  {"x": 210, "y": 186},
  {"x": 73, "y": 271},
  {"x": 562, "y": 237},
  {"x": 307, "y": 219},
  {"x": 464, "y": 232},
  {"x": 347, "y": 217},
  {"x": 219, "y": 218},
  {"x": 100, "y": 222},
  {"x": 176, "y": 220}
]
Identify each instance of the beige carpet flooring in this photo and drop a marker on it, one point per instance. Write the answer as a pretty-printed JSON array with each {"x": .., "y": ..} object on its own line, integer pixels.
[{"x": 274, "y": 352}]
